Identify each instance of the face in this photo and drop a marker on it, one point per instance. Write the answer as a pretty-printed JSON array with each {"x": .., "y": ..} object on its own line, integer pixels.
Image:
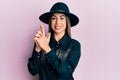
[{"x": 58, "y": 23}]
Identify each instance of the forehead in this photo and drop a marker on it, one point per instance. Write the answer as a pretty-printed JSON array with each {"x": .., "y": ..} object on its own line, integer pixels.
[{"x": 58, "y": 14}]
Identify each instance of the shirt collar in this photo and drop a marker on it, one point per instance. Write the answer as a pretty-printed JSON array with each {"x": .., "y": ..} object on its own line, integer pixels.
[{"x": 62, "y": 41}]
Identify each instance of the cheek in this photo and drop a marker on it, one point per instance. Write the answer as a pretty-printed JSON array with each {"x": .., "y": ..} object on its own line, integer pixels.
[
  {"x": 52, "y": 23},
  {"x": 64, "y": 23}
]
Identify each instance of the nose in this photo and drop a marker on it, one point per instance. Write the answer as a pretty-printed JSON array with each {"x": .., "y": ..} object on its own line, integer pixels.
[{"x": 57, "y": 21}]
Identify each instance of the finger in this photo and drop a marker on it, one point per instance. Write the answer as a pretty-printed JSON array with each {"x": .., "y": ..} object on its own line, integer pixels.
[
  {"x": 36, "y": 41},
  {"x": 37, "y": 45},
  {"x": 48, "y": 35},
  {"x": 42, "y": 29},
  {"x": 39, "y": 33}
]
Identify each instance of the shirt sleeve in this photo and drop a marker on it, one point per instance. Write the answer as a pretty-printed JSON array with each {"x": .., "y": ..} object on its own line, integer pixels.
[
  {"x": 65, "y": 67},
  {"x": 34, "y": 62}
]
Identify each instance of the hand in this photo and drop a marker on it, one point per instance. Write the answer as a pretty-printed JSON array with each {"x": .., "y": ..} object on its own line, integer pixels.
[
  {"x": 37, "y": 36},
  {"x": 37, "y": 47},
  {"x": 42, "y": 40}
]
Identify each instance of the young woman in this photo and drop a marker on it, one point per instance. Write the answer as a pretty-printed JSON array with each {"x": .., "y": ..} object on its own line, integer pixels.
[{"x": 55, "y": 54}]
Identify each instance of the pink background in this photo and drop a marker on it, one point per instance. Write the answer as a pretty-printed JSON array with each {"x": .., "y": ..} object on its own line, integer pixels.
[{"x": 98, "y": 32}]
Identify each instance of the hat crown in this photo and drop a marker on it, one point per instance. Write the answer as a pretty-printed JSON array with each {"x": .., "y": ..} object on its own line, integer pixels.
[{"x": 60, "y": 7}]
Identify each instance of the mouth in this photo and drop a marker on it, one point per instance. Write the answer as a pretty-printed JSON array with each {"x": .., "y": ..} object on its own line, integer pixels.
[{"x": 57, "y": 27}]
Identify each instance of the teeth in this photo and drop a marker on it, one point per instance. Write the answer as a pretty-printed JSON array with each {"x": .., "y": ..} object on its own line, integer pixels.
[{"x": 57, "y": 27}]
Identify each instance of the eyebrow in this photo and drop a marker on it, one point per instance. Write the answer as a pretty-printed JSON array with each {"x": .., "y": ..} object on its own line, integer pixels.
[{"x": 60, "y": 15}]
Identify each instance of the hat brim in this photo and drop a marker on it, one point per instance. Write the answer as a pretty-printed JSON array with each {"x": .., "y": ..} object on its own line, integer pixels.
[{"x": 74, "y": 20}]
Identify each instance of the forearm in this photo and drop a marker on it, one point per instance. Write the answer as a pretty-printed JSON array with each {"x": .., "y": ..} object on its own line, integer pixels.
[
  {"x": 65, "y": 66},
  {"x": 34, "y": 63},
  {"x": 62, "y": 67}
]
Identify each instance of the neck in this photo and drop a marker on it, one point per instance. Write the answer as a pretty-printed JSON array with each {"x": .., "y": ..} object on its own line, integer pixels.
[{"x": 58, "y": 36}]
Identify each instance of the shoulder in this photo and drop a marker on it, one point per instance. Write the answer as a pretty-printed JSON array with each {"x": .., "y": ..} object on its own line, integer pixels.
[
  {"x": 75, "y": 42},
  {"x": 75, "y": 47}
]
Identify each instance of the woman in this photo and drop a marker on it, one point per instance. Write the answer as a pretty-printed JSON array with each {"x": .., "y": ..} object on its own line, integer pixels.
[{"x": 55, "y": 55}]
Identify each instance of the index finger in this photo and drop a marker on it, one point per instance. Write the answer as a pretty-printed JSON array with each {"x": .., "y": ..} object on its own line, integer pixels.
[{"x": 42, "y": 29}]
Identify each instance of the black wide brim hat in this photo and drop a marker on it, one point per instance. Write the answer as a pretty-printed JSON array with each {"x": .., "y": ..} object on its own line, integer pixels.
[{"x": 60, "y": 7}]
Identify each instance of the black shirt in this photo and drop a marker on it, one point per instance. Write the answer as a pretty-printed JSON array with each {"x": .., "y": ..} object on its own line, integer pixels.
[{"x": 59, "y": 63}]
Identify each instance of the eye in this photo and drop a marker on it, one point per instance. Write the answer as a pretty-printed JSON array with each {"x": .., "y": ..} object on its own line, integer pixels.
[
  {"x": 62, "y": 18},
  {"x": 53, "y": 18}
]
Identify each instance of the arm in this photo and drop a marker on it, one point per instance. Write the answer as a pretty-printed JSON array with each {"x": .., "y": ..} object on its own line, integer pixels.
[
  {"x": 34, "y": 62},
  {"x": 65, "y": 67}
]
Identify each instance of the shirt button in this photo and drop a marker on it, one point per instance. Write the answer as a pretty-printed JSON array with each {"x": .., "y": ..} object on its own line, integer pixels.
[
  {"x": 69, "y": 66},
  {"x": 38, "y": 56}
]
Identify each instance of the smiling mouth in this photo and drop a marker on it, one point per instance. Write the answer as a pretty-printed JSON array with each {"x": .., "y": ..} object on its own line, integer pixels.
[{"x": 57, "y": 27}]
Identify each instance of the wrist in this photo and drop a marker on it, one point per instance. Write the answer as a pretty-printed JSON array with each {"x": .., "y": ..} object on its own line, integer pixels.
[
  {"x": 37, "y": 49},
  {"x": 48, "y": 49}
]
